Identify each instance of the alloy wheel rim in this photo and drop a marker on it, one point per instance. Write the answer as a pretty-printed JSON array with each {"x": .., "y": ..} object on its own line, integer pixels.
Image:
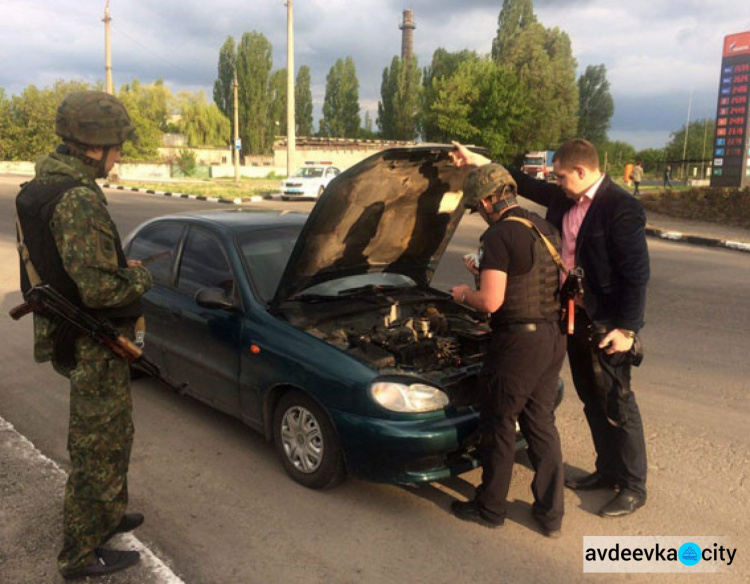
[{"x": 302, "y": 439}]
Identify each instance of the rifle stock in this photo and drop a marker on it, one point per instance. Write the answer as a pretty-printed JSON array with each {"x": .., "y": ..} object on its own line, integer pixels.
[
  {"x": 46, "y": 300},
  {"x": 18, "y": 312}
]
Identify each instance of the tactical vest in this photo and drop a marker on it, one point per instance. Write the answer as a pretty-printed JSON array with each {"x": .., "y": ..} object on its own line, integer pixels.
[
  {"x": 532, "y": 297},
  {"x": 35, "y": 206}
]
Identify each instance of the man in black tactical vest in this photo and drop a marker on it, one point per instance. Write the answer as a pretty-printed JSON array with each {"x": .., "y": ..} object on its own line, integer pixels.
[
  {"x": 518, "y": 285},
  {"x": 68, "y": 241}
]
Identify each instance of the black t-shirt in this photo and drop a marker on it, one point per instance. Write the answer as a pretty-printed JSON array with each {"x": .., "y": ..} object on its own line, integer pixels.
[{"x": 508, "y": 246}]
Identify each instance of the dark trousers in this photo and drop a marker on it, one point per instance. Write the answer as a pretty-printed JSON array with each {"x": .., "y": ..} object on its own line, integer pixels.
[
  {"x": 603, "y": 385},
  {"x": 520, "y": 379}
]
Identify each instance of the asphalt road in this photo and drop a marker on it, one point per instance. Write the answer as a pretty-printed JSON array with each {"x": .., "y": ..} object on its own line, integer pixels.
[{"x": 221, "y": 510}]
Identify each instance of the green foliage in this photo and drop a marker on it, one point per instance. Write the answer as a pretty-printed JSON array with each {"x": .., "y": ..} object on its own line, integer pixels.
[
  {"x": 398, "y": 112},
  {"x": 542, "y": 61},
  {"x": 29, "y": 128},
  {"x": 254, "y": 63},
  {"x": 595, "y": 104},
  {"x": 203, "y": 124},
  {"x": 613, "y": 156},
  {"x": 729, "y": 206},
  {"x": 341, "y": 103},
  {"x": 148, "y": 106},
  {"x": 515, "y": 17},
  {"x": 700, "y": 135},
  {"x": 187, "y": 162},
  {"x": 277, "y": 108},
  {"x": 481, "y": 103},
  {"x": 444, "y": 65},
  {"x": 224, "y": 84},
  {"x": 303, "y": 105},
  {"x": 653, "y": 160}
]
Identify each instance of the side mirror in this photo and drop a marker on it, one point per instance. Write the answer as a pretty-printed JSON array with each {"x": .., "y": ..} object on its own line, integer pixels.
[{"x": 213, "y": 298}]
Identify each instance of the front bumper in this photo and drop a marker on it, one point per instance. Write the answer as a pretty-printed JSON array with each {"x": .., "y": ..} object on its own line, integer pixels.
[{"x": 410, "y": 451}]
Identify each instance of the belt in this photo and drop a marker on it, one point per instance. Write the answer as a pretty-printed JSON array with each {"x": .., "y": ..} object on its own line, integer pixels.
[{"x": 523, "y": 327}]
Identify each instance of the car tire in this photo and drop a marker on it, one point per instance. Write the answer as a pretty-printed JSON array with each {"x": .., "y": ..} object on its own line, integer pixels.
[
  {"x": 306, "y": 442},
  {"x": 284, "y": 198},
  {"x": 320, "y": 191}
]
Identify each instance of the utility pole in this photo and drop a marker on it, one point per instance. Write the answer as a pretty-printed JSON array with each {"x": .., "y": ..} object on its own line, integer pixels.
[
  {"x": 236, "y": 144},
  {"x": 687, "y": 129},
  {"x": 290, "y": 117},
  {"x": 109, "y": 86}
]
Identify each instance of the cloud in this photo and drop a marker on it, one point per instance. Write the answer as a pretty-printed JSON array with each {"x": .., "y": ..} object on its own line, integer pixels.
[{"x": 656, "y": 53}]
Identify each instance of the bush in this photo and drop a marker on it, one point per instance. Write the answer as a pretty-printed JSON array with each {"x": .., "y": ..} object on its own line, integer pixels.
[
  {"x": 730, "y": 206},
  {"x": 186, "y": 162}
]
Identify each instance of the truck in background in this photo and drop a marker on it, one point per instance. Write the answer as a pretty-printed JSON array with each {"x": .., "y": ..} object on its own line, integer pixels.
[{"x": 539, "y": 164}]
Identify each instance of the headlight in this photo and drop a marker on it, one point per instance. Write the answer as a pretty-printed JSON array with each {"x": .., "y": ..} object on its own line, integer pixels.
[{"x": 416, "y": 397}]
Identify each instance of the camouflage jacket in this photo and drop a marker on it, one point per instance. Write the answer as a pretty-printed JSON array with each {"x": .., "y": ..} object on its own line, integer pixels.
[{"x": 84, "y": 235}]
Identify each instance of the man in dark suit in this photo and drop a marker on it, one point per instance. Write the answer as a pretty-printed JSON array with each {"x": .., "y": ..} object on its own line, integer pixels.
[{"x": 603, "y": 230}]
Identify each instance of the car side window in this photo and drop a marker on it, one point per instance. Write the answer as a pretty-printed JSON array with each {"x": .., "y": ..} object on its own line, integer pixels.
[
  {"x": 204, "y": 265},
  {"x": 156, "y": 246}
]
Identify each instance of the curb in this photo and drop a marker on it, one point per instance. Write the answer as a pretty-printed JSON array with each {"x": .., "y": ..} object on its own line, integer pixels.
[
  {"x": 697, "y": 239},
  {"x": 650, "y": 231},
  {"x": 235, "y": 201}
]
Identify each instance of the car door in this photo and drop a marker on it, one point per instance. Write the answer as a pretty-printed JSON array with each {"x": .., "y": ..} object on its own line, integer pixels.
[
  {"x": 204, "y": 345},
  {"x": 156, "y": 246}
]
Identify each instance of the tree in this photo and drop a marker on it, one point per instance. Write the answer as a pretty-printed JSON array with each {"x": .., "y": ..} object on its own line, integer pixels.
[
  {"x": 202, "y": 123},
  {"x": 341, "y": 103},
  {"x": 595, "y": 104},
  {"x": 224, "y": 84},
  {"x": 700, "y": 135},
  {"x": 254, "y": 63},
  {"x": 398, "y": 112},
  {"x": 303, "y": 105},
  {"x": 444, "y": 65},
  {"x": 148, "y": 106},
  {"x": 481, "y": 103},
  {"x": 516, "y": 16},
  {"x": 5, "y": 126},
  {"x": 613, "y": 156},
  {"x": 543, "y": 62},
  {"x": 277, "y": 107},
  {"x": 29, "y": 129}
]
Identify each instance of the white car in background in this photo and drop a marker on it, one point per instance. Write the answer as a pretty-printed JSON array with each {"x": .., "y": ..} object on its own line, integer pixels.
[{"x": 309, "y": 181}]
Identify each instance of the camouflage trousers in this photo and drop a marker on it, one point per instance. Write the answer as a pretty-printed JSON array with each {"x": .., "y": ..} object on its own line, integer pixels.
[{"x": 100, "y": 439}]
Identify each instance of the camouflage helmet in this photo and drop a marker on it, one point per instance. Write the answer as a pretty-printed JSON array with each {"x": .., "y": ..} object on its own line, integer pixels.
[
  {"x": 93, "y": 118},
  {"x": 486, "y": 180}
]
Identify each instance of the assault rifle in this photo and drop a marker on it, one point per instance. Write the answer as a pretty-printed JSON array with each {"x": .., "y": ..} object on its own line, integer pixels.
[{"x": 45, "y": 300}]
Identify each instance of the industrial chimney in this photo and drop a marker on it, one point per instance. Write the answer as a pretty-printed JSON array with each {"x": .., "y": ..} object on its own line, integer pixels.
[{"x": 407, "y": 27}]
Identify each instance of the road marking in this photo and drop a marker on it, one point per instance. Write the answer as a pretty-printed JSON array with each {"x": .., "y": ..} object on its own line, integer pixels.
[{"x": 26, "y": 449}]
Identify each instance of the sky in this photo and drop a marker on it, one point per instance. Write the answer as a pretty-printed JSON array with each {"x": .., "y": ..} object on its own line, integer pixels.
[{"x": 662, "y": 57}]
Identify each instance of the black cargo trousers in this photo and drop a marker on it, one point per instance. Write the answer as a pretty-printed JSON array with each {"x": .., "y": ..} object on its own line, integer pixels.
[{"x": 520, "y": 380}]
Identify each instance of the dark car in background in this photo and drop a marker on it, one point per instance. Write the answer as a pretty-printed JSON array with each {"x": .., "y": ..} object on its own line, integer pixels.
[{"x": 323, "y": 332}]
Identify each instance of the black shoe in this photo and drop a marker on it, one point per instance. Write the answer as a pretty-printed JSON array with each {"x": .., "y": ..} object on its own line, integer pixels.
[
  {"x": 471, "y": 511},
  {"x": 129, "y": 522},
  {"x": 623, "y": 504},
  {"x": 107, "y": 561},
  {"x": 552, "y": 533},
  {"x": 590, "y": 482}
]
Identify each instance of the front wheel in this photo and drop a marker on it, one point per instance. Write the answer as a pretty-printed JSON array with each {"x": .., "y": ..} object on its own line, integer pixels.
[{"x": 306, "y": 442}]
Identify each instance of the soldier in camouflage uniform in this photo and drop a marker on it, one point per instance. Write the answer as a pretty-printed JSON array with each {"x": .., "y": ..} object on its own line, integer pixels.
[{"x": 68, "y": 240}]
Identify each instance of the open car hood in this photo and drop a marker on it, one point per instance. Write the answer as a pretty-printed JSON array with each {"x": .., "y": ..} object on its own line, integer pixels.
[{"x": 393, "y": 212}]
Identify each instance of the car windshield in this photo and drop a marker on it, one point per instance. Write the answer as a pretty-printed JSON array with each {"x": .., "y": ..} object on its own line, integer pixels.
[
  {"x": 309, "y": 172},
  {"x": 265, "y": 253},
  {"x": 533, "y": 161},
  {"x": 351, "y": 285}
]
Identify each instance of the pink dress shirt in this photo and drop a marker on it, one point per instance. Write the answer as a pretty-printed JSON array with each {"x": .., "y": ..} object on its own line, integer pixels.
[{"x": 572, "y": 224}]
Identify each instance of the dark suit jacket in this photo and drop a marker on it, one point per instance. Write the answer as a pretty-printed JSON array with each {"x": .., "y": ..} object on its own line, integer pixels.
[{"x": 611, "y": 248}]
